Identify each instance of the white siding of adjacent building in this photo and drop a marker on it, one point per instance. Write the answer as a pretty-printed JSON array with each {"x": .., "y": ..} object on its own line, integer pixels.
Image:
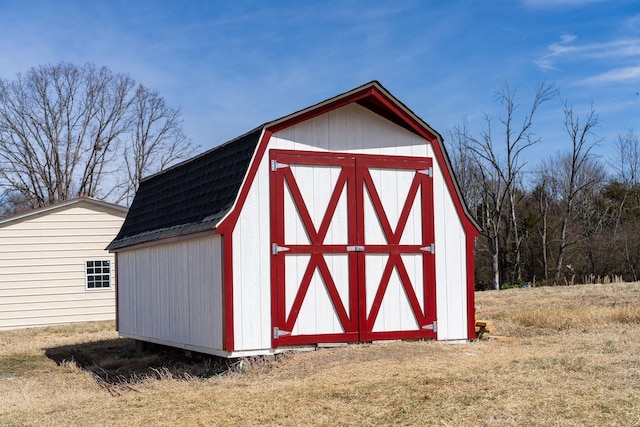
[
  {"x": 42, "y": 266},
  {"x": 349, "y": 129},
  {"x": 171, "y": 294}
]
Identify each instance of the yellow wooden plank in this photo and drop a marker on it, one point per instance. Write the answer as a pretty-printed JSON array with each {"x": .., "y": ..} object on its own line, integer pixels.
[{"x": 483, "y": 323}]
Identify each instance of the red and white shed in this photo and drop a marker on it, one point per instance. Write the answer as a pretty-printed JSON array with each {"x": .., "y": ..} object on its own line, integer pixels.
[{"x": 342, "y": 222}]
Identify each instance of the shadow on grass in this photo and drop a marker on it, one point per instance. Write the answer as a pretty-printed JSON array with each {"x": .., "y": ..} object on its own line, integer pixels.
[{"x": 117, "y": 362}]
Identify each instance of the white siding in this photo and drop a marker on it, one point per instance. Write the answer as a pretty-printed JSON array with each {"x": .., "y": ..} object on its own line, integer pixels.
[
  {"x": 395, "y": 312},
  {"x": 451, "y": 263},
  {"x": 317, "y": 314},
  {"x": 252, "y": 269},
  {"x": 351, "y": 129},
  {"x": 42, "y": 266},
  {"x": 172, "y": 293}
]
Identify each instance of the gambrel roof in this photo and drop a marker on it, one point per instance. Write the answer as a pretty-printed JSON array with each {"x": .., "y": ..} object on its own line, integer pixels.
[
  {"x": 190, "y": 197},
  {"x": 198, "y": 194}
]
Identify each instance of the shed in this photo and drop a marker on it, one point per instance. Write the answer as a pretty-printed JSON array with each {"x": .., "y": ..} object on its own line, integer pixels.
[
  {"x": 54, "y": 268},
  {"x": 342, "y": 222}
]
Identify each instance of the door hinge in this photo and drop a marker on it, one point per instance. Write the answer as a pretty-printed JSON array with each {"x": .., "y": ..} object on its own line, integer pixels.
[
  {"x": 431, "y": 248},
  {"x": 433, "y": 326},
  {"x": 355, "y": 248},
  {"x": 428, "y": 171},
  {"x": 275, "y": 165},
  {"x": 277, "y": 333},
  {"x": 275, "y": 249}
]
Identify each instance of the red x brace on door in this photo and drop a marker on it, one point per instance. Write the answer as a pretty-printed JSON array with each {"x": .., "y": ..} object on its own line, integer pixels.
[{"x": 353, "y": 250}]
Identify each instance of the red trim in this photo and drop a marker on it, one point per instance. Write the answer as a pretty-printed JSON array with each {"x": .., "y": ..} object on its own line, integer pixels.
[
  {"x": 317, "y": 261},
  {"x": 117, "y": 285},
  {"x": 354, "y": 223},
  {"x": 355, "y": 176},
  {"x": 316, "y": 237},
  {"x": 226, "y": 228},
  {"x": 277, "y": 235},
  {"x": 369, "y": 92},
  {"x": 321, "y": 109},
  {"x": 316, "y": 248},
  {"x": 400, "y": 335},
  {"x": 428, "y": 235},
  {"x": 394, "y": 249},
  {"x": 228, "y": 224},
  {"x": 366, "y": 92},
  {"x": 439, "y": 154},
  {"x": 227, "y": 291},
  {"x": 471, "y": 287},
  {"x": 319, "y": 338}
]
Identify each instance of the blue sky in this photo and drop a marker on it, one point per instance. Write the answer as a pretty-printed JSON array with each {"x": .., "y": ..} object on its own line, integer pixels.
[{"x": 233, "y": 65}]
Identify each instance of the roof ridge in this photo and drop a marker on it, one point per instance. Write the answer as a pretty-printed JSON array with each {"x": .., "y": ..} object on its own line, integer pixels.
[{"x": 60, "y": 203}]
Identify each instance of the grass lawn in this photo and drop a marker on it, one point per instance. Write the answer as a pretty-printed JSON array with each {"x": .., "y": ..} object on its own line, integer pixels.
[{"x": 572, "y": 357}]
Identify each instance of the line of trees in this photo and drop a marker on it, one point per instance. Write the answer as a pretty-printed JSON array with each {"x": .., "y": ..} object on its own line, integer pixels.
[
  {"x": 68, "y": 131},
  {"x": 563, "y": 220}
]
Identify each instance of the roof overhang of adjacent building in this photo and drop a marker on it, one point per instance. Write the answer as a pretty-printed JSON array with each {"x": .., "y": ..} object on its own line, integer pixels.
[{"x": 63, "y": 204}]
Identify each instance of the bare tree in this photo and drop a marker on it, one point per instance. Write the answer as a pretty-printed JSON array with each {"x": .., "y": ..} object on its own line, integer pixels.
[
  {"x": 626, "y": 164},
  {"x": 544, "y": 193},
  {"x": 575, "y": 171},
  {"x": 464, "y": 164},
  {"x": 499, "y": 167},
  {"x": 64, "y": 132},
  {"x": 156, "y": 141},
  {"x": 58, "y": 125},
  {"x": 627, "y": 159}
]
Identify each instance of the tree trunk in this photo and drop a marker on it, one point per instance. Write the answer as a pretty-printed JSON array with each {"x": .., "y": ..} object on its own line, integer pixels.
[
  {"x": 517, "y": 267},
  {"x": 495, "y": 261},
  {"x": 545, "y": 261},
  {"x": 563, "y": 244}
]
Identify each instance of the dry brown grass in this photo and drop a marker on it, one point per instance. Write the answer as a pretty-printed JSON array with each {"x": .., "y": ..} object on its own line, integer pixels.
[{"x": 574, "y": 360}]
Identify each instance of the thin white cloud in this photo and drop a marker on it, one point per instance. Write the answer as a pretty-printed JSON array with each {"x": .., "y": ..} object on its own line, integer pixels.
[
  {"x": 567, "y": 50},
  {"x": 616, "y": 75},
  {"x": 633, "y": 23},
  {"x": 546, "y": 4}
]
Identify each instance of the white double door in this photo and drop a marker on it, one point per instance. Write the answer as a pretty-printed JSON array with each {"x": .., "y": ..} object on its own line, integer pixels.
[{"x": 352, "y": 248}]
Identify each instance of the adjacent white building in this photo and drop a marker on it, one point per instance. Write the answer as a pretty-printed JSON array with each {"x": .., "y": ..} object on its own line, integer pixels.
[{"x": 54, "y": 268}]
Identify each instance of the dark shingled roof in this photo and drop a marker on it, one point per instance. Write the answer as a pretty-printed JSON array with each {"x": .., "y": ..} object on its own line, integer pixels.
[{"x": 190, "y": 197}]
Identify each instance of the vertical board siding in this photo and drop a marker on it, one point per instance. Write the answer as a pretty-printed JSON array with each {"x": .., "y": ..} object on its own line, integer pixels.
[
  {"x": 349, "y": 129},
  {"x": 42, "y": 266},
  {"x": 173, "y": 292},
  {"x": 317, "y": 184},
  {"x": 251, "y": 268},
  {"x": 451, "y": 277}
]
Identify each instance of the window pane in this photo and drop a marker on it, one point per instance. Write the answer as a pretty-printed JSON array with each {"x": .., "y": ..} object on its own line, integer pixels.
[{"x": 98, "y": 274}]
